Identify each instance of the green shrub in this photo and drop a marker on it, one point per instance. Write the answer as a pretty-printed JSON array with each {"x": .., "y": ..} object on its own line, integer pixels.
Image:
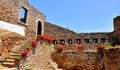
[{"x": 108, "y": 45}]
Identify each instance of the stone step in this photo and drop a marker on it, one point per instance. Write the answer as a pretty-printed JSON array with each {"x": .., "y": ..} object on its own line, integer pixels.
[
  {"x": 18, "y": 51},
  {"x": 10, "y": 60},
  {"x": 17, "y": 54},
  {"x": 13, "y": 57},
  {"x": 2, "y": 59},
  {"x": 8, "y": 64},
  {"x": 21, "y": 50}
]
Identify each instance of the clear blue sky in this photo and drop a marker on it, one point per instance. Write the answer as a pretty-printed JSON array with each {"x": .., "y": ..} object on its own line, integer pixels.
[{"x": 80, "y": 15}]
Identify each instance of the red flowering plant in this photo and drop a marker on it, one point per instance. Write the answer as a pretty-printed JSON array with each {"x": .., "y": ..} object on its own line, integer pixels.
[
  {"x": 34, "y": 43},
  {"x": 40, "y": 37},
  {"x": 80, "y": 47},
  {"x": 100, "y": 47},
  {"x": 49, "y": 39},
  {"x": 25, "y": 53},
  {"x": 100, "y": 51},
  {"x": 44, "y": 38},
  {"x": 60, "y": 48}
]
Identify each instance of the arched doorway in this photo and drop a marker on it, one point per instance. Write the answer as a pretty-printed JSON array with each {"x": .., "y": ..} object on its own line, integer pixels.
[{"x": 39, "y": 29}]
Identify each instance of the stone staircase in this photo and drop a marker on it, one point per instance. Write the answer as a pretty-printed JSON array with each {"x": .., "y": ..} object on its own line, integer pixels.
[
  {"x": 32, "y": 60},
  {"x": 10, "y": 62}
]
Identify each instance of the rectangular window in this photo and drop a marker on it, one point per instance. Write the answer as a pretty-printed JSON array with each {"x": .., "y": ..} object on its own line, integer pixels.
[
  {"x": 23, "y": 15},
  {"x": 95, "y": 40},
  {"x": 102, "y": 40},
  {"x": 62, "y": 42},
  {"x": 69, "y": 41},
  {"x": 54, "y": 42},
  {"x": 78, "y": 41},
  {"x": 86, "y": 40}
]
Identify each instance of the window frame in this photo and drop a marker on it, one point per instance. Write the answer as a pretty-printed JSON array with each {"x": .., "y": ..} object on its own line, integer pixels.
[
  {"x": 86, "y": 40},
  {"x": 95, "y": 40},
  {"x": 78, "y": 41},
  {"x": 25, "y": 15},
  {"x": 54, "y": 42},
  {"x": 102, "y": 40},
  {"x": 70, "y": 41},
  {"x": 62, "y": 41}
]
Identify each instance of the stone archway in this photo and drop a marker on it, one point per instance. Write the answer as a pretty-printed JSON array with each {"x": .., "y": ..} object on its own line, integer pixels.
[{"x": 39, "y": 28}]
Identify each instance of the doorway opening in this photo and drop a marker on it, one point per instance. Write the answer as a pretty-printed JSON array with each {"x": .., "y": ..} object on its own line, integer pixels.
[{"x": 39, "y": 30}]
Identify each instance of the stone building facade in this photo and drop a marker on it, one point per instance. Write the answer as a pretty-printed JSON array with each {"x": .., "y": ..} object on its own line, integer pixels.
[{"x": 21, "y": 13}]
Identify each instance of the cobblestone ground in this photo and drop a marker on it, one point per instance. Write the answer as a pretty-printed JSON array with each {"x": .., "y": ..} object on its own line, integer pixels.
[{"x": 40, "y": 60}]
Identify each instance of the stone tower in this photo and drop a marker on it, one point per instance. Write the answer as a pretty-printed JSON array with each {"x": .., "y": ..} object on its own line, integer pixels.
[{"x": 116, "y": 22}]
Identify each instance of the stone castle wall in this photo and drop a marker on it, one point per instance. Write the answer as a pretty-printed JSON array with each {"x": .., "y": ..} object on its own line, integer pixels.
[
  {"x": 59, "y": 33},
  {"x": 94, "y": 38},
  {"x": 112, "y": 59}
]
